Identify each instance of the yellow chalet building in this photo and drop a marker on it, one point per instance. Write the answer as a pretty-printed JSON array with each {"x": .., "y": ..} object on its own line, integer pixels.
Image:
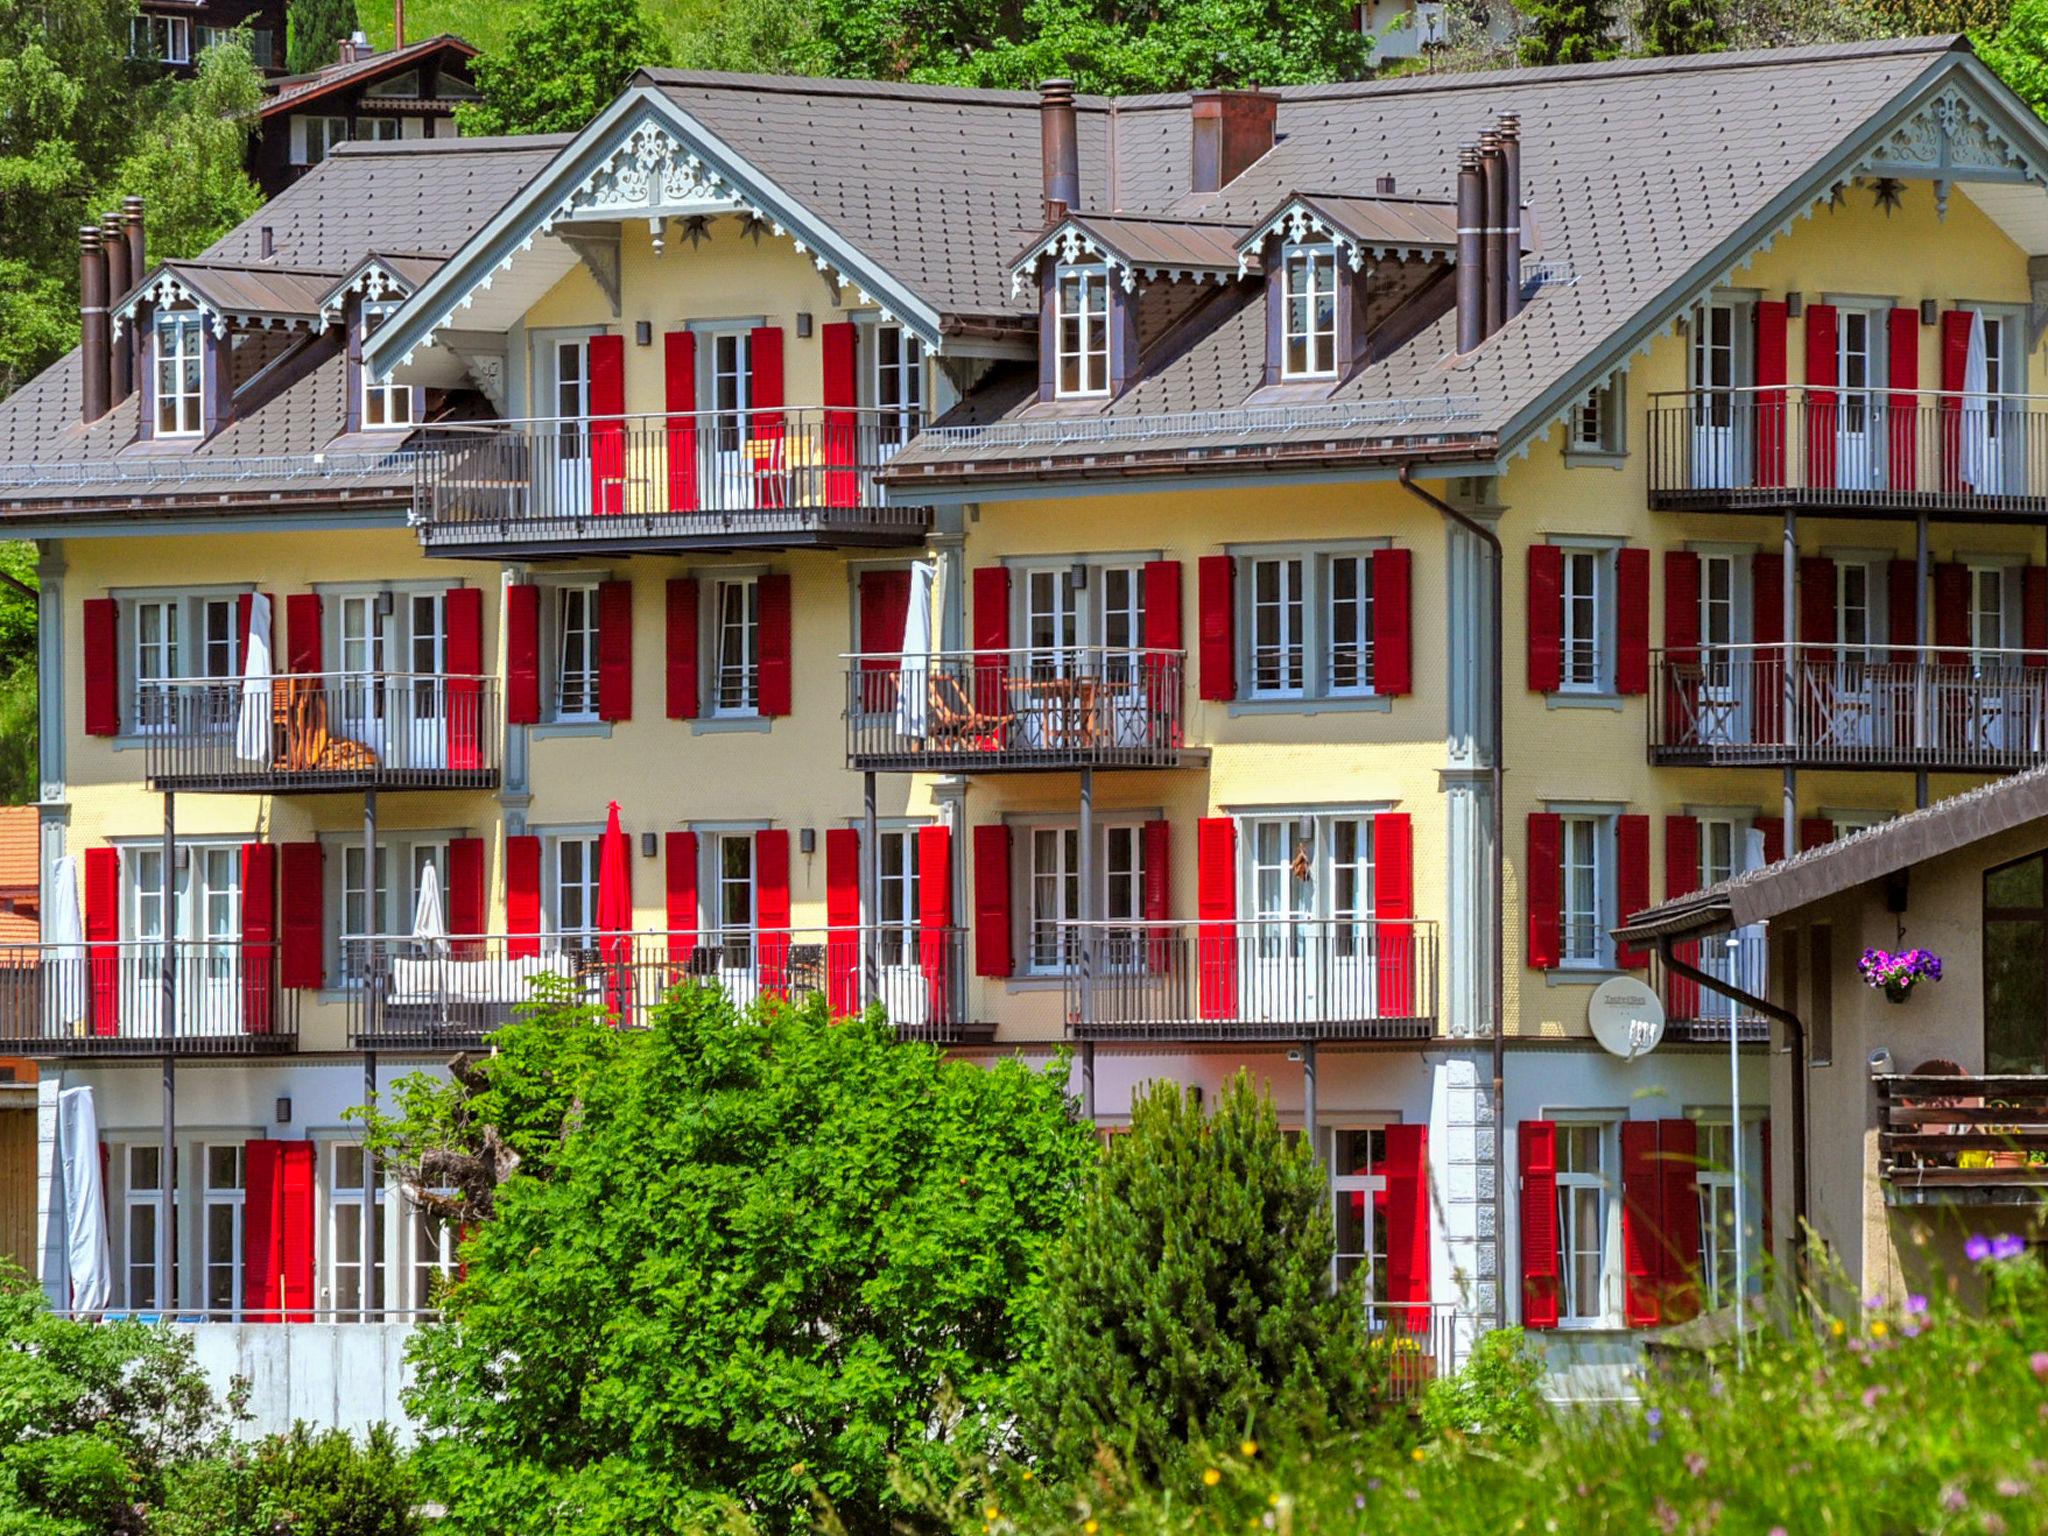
[{"x": 1258, "y": 578}]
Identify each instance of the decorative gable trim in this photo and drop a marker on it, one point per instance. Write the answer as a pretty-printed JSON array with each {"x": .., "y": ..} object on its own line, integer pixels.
[
  {"x": 164, "y": 291},
  {"x": 1948, "y": 135},
  {"x": 1303, "y": 224},
  {"x": 1073, "y": 243},
  {"x": 372, "y": 281}
]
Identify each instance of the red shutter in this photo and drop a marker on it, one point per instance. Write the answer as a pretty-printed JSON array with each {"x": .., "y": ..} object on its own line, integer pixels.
[
  {"x": 102, "y": 671},
  {"x": 259, "y": 937},
  {"x": 1216, "y": 908},
  {"x": 1815, "y": 832},
  {"x": 607, "y": 424},
  {"x": 884, "y": 602},
  {"x": 522, "y": 655},
  {"x": 1157, "y": 856},
  {"x": 103, "y": 937},
  {"x": 2034, "y": 614},
  {"x": 842, "y": 425},
  {"x": 679, "y": 378},
  {"x": 1632, "y": 621},
  {"x": 1398, "y": 969},
  {"x": 1902, "y": 365},
  {"x": 1771, "y": 374},
  {"x": 615, "y": 650},
  {"x": 303, "y": 655},
  {"x": 1817, "y": 609},
  {"x": 1681, "y": 645},
  {"x": 680, "y": 903},
  {"x": 1682, "y": 878},
  {"x": 1955, "y": 367},
  {"x": 302, "y": 885},
  {"x": 261, "y": 1254},
  {"x": 1678, "y": 1148},
  {"x": 1407, "y": 1218},
  {"x": 1642, "y": 1223},
  {"x": 765, "y": 428},
  {"x": 771, "y": 909},
  {"x": 465, "y": 651},
  {"x": 522, "y": 897},
  {"x": 842, "y": 919},
  {"x": 292, "y": 1230},
  {"x": 1952, "y": 613},
  {"x": 1767, "y": 628},
  {"x": 1632, "y": 880},
  {"x": 1393, "y": 650},
  {"x": 991, "y": 641},
  {"x": 1773, "y": 829},
  {"x": 683, "y": 703},
  {"x": 1545, "y": 622},
  {"x": 992, "y": 900},
  {"x": 773, "y": 695},
  {"x": 466, "y": 919},
  {"x": 1216, "y": 605},
  {"x": 1162, "y": 605},
  {"x": 1902, "y": 580},
  {"x": 1544, "y": 880},
  {"x": 1538, "y": 1148},
  {"x": 1823, "y": 347},
  {"x": 935, "y": 915}
]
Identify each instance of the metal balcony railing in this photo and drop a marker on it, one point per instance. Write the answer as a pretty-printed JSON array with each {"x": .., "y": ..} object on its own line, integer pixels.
[
  {"x": 143, "y": 998},
  {"x": 1962, "y": 1139},
  {"x": 1417, "y": 1342},
  {"x": 707, "y": 479},
  {"x": 1286, "y": 978},
  {"x": 1826, "y": 706},
  {"x": 1703, "y": 1016},
  {"x": 1872, "y": 450},
  {"x": 1073, "y": 707},
  {"x": 435, "y": 993},
  {"x": 321, "y": 731}
]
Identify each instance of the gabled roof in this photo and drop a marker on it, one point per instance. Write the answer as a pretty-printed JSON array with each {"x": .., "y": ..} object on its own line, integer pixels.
[
  {"x": 1389, "y": 226},
  {"x": 1137, "y": 247},
  {"x": 293, "y": 93},
  {"x": 230, "y": 293},
  {"x": 379, "y": 275}
]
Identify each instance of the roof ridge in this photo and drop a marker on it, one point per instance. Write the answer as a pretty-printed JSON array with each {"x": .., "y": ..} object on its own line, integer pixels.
[{"x": 488, "y": 143}]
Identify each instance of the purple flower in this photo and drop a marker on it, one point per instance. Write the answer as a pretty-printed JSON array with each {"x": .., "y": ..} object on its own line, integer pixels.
[
  {"x": 1654, "y": 1417},
  {"x": 1358, "y": 1501},
  {"x": 2040, "y": 1364},
  {"x": 1977, "y": 1249},
  {"x": 1873, "y": 1303},
  {"x": 1915, "y": 1304},
  {"x": 1696, "y": 1464},
  {"x": 2008, "y": 1245}
]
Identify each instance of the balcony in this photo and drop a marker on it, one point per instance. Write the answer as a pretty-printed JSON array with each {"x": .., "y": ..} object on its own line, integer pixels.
[
  {"x": 1697, "y": 1015},
  {"x": 967, "y": 711},
  {"x": 707, "y": 481},
  {"x": 412, "y": 994},
  {"x": 1962, "y": 1140},
  {"x": 1282, "y": 979},
  {"x": 1874, "y": 453},
  {"x": 190, "y": 997},
  {"x": 321, "y": 732},
  {"x": 1817, "y": 706}
]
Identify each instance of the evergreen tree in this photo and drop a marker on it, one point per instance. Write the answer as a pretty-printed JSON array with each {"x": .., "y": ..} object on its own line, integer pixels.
[
  {"x": 314, "y": 30},
  {"x": 562, "y": 64},
  {"x": 1568, "y": 31},
  {"x": 1666, "y": 28},
  {"x": 1190, "y": 1299}
]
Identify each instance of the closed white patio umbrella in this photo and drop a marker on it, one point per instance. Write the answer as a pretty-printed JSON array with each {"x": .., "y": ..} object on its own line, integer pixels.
[
  {"x": 913, "y": 689},
  {"x": 253, "y": 720}
]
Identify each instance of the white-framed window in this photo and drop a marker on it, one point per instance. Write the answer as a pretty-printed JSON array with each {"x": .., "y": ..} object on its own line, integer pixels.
[
  {"x": 386, "y": 404},
  {"x": 388, "y": 909},
  {"x": 1585, "y": 1218},
  {"x": 896, "y": 880},
  {"x": 1081, "y": 331},
  {"x": 899, "y": 384},
  {"x": 572, "y": 878},
  {"x": 1716, "y": 362},
  {"x": 1989, "y": 621},
  {"x": 180, "y": 372},
  {"x": 1358, "y": 1192},
  {"x": 1586, "y": 845},
  {"x": 732, "y": 908},
  {"x": 1597, "y": 422},
  {"x": 221, "y": 1232},
  {"x": 142, "y": 1216},
  {"x": 732, "y": 392},
  {"x": 1719, "y": 1235},
  {"x": 181, "y": 639},
  {"x": 1074, "y": 605},
  {"x": 575, "y": 671},
  {"x": 156, "y": 630},
  {"x": 1052, "y": 887},
  {"x": 1309, "y": 625},
  {"x": 736, "y": 647},
  {"x": 312, "y": 136},
  {"x": 1857, "y": 616},
  {"x": 349, "y": 1205},
  {"x": 428, "y": 1262},
  {"x": 379, "y": 128},
  {"x": 1308, "y": 347},
  {"x": 1588, "y": 609},
  {"x": 206, "y": 899},
  {"x": 167, "y": 39},
  {"x": 1309, "y": 881}
]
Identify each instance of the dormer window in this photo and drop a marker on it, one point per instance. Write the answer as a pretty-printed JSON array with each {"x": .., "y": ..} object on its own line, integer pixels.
[
  {"x": 180, "y": 372},
  {"x": 1081, "y": 332},
  {"x": 1309, "y": 278},
  {"x": 385, "y": 405}
]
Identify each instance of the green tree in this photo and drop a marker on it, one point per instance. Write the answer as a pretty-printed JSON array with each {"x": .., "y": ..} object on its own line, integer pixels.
[
  {"x": 1567, "y": 31},
  {"x": 2018, "y": 51},
  {"x": 725, "y": 1261},
  {"x": 317, "y": 1484},
  {"x": 191, "y": 165},
  {"x": 1671, "y": 27},
  {"x": 314, "y": 30},
  {"x": 1190, "y": 1300},
  {"x": 562, "y": 64}
]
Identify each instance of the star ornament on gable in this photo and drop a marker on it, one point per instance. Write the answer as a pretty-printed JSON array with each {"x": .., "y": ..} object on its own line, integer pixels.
[
  {"x": 697, "y": 229},
  {"x": 754, "y": 229},
  {"x": 1887, "y": 192}
]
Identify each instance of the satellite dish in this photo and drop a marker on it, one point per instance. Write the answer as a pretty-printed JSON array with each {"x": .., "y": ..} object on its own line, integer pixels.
[{"x": 1627, "y": 1017}]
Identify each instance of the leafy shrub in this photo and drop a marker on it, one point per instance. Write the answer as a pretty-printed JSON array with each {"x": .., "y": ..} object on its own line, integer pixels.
[
  {"x": 1494, "y": 1396},
  {"x": 1190, "y": 1300},
  {"x": 304, "y": 1483}
]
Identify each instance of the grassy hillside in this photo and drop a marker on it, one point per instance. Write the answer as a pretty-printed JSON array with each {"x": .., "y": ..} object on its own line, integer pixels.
[{"x": 485, "y": 22}]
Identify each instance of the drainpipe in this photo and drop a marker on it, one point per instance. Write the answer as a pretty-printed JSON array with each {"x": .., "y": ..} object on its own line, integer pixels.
[
  {"x": 1795, "y": 1034},
  {"x": 1499, "y": 895}
]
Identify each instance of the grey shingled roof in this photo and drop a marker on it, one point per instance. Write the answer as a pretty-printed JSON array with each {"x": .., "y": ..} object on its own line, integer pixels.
[
  {"x": 1182, "y": 244},
  {"x": 293, "y": 91}
]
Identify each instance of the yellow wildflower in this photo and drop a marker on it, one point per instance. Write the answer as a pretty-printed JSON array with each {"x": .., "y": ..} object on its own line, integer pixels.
[
  {"x": 1838, "y": 1327},
  {"x": 1211, "y": 1477},
  {"x": 1416, "y": 1454},
  {"x": 1879, "y": 1329},
  {"x": 1249, "y": 1448},
  {"x": 991, "y": 1512},
  {"x": 1089, "y": 1528}
]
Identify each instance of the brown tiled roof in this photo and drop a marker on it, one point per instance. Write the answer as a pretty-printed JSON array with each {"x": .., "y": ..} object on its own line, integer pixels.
[
  {"x": 20, "y": 874},
  {"x": 294, "y": 91},
  {"x": 255, "y": 289},
  {"x": 1177, "y": 244}
]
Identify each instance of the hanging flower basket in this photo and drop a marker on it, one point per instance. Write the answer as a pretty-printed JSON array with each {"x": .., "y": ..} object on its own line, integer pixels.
[{"x": 1897, "y": 974}]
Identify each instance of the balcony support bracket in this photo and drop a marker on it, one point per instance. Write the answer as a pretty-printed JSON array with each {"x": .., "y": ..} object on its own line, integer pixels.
[{"x": 597, "y": 247}]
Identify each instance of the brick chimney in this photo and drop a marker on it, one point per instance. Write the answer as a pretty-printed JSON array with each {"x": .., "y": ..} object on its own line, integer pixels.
[
  {"x": 1060, "y": 137},
  {"x": 1231, "y": 130},
  {"x": 95, "y": 336},
  {"x": 120, "y": 359}
]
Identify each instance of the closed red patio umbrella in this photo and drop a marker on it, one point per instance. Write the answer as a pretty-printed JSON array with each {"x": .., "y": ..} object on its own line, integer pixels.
[{"x": 615, "y": 910}]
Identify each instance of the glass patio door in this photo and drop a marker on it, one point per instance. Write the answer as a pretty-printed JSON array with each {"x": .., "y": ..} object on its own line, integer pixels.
[
  {"x": 1281, "y": 962},
  {"x": 566, "y": 460},
  {"x": 206, "y": 917},
  {"x": 730, "y": 444},
  {"x": 904, "y": 988},
  {"x": 1859, "y": 365},
  {"x": 426, "y": 643},
  {"x": 1714, "y": 404},
  {"x": 358, "y": 707},
  {"x": 1725, "y": 677}
]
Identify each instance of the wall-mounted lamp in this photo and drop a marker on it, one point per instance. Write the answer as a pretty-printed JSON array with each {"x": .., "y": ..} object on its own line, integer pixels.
[
  {"x": 181, "y": 860},
  {"x": 1795, "y": 305},
  {"x": 649, "y": 844},
  {"x": 807, "y": 840},
  {"x": 1930, "y": 311},
  {"x": 284, "y": 1111},
  {"x": 386, "y": 603},
  {"x": 1078, "y": 575},
  {"x": 643, "y": 333},
  {"x": 803, "y": 322}
]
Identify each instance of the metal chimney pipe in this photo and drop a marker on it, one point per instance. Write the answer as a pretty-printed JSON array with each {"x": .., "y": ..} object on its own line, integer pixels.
[
  {"x": 1059, "y": 136},
  {"x": 120, "y": 359},
  {"x": 1495, "y": 171},
  {"x": 138, "y": 259},
  {"x": 1471, "y": 250},
  {"x": 1511, "y": 161},
  {"x": 94, "y": 336}
]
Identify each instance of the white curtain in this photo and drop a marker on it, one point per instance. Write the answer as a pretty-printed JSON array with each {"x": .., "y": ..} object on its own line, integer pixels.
[
  {"x": 1978, "y": 470},
  {"x": 253, "y": 722},
  {"x": 85, "y": 1202},
  {"x": 913, "y": 690},
  {"x": 66, "y": 979}
]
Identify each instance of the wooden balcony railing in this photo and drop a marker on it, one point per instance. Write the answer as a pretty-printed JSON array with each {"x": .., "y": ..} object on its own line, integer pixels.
[
  {"x": 142, "y": 998},
  {"x": 1700, "y": 1015},
  {"x": 1948, "y": 1139},
  {"x": 1281, "y": 979},
  {"x": 321, "y": 731},
  {"x": 957, "y": 711},
  {"x": 708, "y": 479},
  {"x": 1822, "y": 706},
  {"x": 452, "y": 993},
  {"x": 1871, "y": 451}
]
